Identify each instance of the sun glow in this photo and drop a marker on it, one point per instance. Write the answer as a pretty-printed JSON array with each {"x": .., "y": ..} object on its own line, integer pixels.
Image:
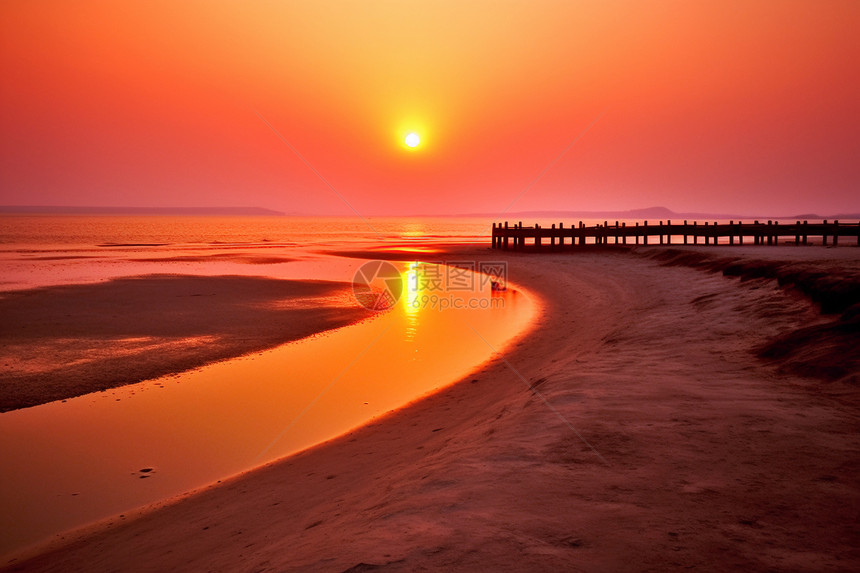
[
  {"x": 412, "y": 288},
  {"x": 412, "y": 140}
]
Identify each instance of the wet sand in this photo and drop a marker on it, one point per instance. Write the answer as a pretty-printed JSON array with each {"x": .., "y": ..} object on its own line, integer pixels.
[
  {"x": 636, "y": 428},
  {"x": 58, "y": 342}
]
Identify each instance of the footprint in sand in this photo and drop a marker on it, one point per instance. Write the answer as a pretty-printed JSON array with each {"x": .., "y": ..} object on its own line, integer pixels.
[{"x": 144, "y": 473}]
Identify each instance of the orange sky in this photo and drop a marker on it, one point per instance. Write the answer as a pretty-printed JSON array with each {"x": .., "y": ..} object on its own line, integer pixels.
[{"x": 741, "y": 106}]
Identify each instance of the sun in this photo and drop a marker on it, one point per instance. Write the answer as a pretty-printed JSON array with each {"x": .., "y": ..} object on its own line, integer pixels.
[{"x": 412, "y": 140}]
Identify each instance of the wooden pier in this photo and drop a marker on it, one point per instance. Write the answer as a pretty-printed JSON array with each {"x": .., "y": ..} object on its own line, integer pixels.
[{"x": 668, "y": 233}]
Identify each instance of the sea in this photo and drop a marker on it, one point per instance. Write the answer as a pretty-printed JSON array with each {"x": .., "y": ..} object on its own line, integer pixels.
[
  {"x": 43, "y": 250},
  {"x": 69, "y": 231}
]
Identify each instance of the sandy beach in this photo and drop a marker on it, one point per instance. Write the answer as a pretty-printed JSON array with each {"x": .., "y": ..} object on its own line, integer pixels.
[
  {"x": 640, "y": 425},
  {"x": 58, "y": 342}
]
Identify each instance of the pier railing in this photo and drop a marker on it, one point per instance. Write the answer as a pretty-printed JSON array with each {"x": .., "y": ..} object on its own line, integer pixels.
[{"x": 507, "y": 236}]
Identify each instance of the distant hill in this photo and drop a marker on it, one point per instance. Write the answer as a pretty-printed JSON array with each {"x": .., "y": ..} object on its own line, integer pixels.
[
  {"x": 67, "y": 210},
  {"x": 838, "y": 216}
]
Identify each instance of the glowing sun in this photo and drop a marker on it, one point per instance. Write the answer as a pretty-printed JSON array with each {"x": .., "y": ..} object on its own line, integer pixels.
[{"x": 412, "y": 140}]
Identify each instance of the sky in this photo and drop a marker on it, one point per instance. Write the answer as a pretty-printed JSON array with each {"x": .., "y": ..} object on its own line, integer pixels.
[{"x": 746, "y": 106}]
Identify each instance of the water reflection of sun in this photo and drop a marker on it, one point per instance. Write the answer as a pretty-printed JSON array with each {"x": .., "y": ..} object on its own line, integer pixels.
[
  {"x": 411, "y": 300},
  {"x": 412, "y": 288},
  {"x": 414, "y": 231}
]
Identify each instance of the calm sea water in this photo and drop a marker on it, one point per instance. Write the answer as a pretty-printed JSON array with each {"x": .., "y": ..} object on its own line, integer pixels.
[
  {"x": 45, "y": 250},
  {"x": 93, "y": 232}
]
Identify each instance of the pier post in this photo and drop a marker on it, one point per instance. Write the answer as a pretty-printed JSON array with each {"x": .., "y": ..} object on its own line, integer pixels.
[{"x": 711, "y": 231}]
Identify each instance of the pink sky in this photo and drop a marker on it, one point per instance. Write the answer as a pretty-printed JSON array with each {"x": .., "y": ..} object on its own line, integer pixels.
[{"x": 747, "y": 107}]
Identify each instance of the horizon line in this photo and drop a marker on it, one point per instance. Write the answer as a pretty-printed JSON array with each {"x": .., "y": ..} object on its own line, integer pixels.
[{"x": 655, "y": 211}]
